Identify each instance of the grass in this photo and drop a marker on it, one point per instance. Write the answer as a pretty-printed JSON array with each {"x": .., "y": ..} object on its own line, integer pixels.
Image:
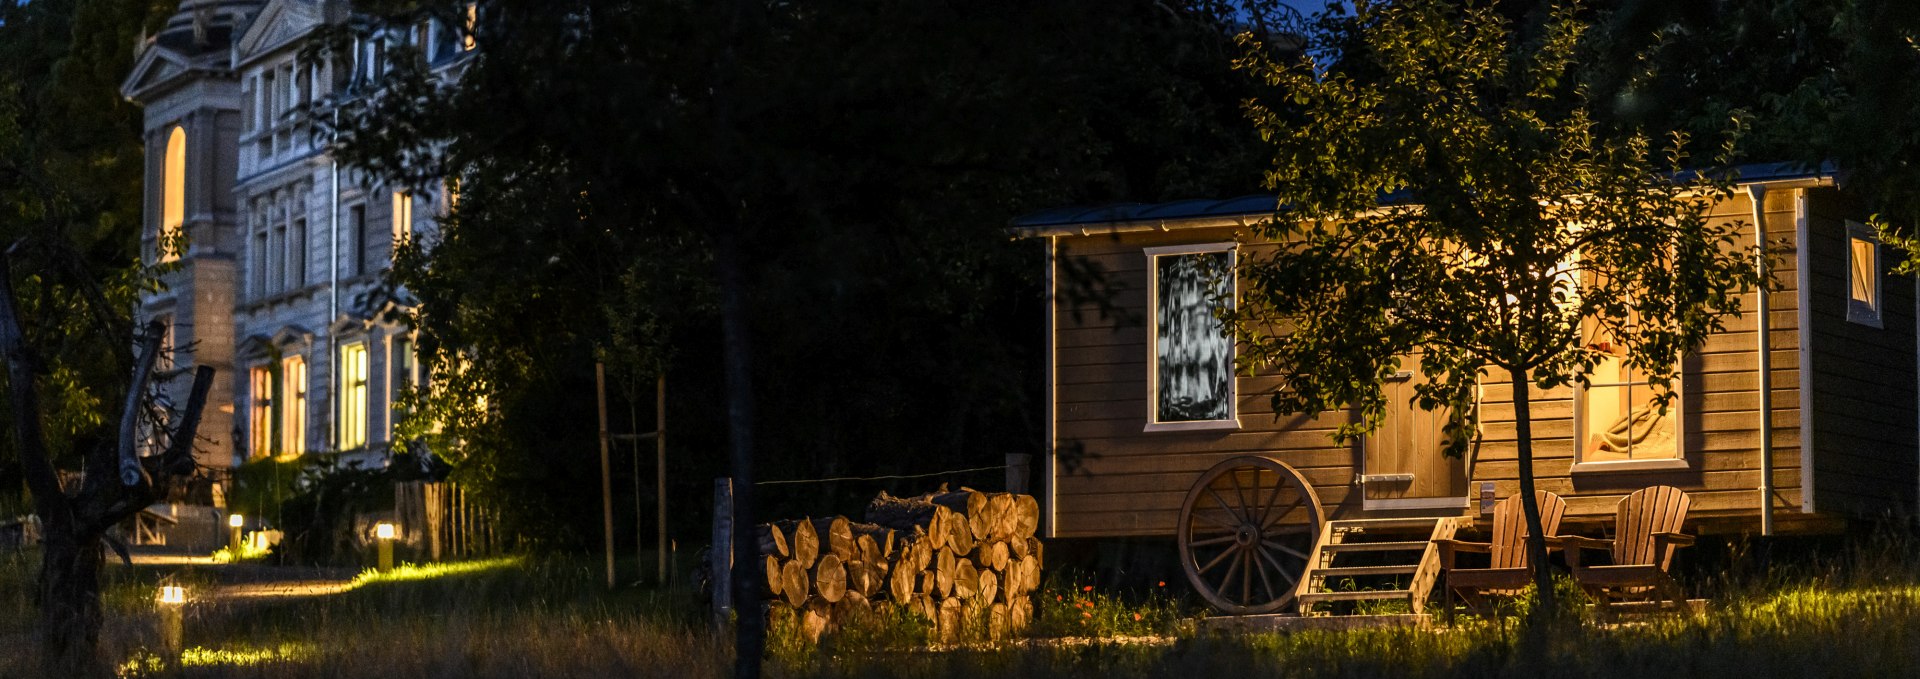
[{"x": 1854, "y": 614}]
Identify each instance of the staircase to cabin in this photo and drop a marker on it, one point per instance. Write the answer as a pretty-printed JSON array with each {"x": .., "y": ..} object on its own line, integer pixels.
[{"x": 1362, "y": 566}]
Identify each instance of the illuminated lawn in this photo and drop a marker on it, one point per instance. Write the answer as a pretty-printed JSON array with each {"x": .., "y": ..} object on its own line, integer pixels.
[{"x": 518, "y": 617}]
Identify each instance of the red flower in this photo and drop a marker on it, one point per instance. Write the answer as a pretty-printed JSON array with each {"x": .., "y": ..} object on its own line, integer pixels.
[
  {"x": 1087, "y": 588},
  {"x": 1136, "y": 617},
  {"x": 1086, "y": 615},
  {"x": 1163, "y": 583}
]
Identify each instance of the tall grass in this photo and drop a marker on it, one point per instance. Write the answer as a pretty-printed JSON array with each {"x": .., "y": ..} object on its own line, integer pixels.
[{"x": 1852, "y": 612}]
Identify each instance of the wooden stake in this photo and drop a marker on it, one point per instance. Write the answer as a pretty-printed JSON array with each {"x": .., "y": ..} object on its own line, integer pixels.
[{"x": 606, "y": 466}]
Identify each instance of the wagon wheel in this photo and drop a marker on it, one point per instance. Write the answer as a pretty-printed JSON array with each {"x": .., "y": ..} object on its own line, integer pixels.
[{"x": 1246, "y": 530}]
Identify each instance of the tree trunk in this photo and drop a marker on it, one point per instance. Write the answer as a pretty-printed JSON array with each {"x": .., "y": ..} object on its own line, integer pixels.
[
  {"x": 70, "y": 616},
  {"x": 750, "y": 629},
  {"x": 1536, "y": 535}
]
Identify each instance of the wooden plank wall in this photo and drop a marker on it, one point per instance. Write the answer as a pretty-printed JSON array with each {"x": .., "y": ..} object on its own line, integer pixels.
[
  {"x": 1719, "y": 410},
  {"x": 1862, "y": 379},
  {"x": 1116, "y": 480}
]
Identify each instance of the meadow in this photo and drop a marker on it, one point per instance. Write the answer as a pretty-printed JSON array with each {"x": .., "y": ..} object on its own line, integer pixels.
[{"x": 1855, "y": 613}]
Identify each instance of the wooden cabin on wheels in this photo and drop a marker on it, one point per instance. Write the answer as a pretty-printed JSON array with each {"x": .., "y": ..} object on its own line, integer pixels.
[{"x": 1794, "y": 419}]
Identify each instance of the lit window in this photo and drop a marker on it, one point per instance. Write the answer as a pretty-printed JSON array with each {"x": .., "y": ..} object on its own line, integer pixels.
[
  {"x": 404, "y": 366},
  {"x": 353, "y": 396},
  {"x": 1616, "y": 419},
  {"x": 1863, "y": 275},
  {"x": 1191, "y": 384},
  {"x": 402, "y": 217},
  {"x": 173, "y": 196},
  {"x": 473, "y": 18},
  {"x": 261, "y": 378},
  {"x": 293, "y": 431}
]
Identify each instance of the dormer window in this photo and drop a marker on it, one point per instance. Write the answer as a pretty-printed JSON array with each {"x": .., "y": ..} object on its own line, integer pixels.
[{"x": 173, "y": 196}]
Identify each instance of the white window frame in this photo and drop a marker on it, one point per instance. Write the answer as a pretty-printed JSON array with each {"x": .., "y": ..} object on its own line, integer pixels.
[
  {"x": 1865, "y": 312},
  {"x": 1675, "y": 409},
  {"x": 1153, "y": 340}
]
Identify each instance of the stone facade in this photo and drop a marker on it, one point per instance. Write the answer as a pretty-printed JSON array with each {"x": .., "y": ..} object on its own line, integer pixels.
[{"x": 281, "y": 286}]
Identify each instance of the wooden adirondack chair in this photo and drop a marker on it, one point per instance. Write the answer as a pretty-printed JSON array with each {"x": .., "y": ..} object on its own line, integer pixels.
[
  {"x": 1646, "y": 533},
  {"x": 1509, "y": 571}
]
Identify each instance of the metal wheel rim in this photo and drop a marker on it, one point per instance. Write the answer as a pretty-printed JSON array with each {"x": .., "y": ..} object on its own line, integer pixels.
[{"x": 1247, "y": 528}]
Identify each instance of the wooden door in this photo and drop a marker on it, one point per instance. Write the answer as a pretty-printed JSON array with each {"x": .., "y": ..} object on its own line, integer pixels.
[{"x": 1405, "y": 466}]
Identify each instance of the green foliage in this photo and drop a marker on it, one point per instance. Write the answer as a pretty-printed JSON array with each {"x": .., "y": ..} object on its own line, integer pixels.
[
  {"x": 1519, "y": 234},
  {"x": 867, "y": 159},
  {"x": 1071, "y": 607},
  {"x": 70, "y": 195},
  {"x": 319, "y": 516}
]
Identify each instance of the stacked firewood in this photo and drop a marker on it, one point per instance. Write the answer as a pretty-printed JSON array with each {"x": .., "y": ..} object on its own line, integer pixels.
[{"x": 965, "y": 561}]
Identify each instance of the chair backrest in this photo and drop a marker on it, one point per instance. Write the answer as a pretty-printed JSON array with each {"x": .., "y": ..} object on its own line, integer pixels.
[
  {"x": 1658, "y": 509},
  {"x": 1510, "y": 526}
]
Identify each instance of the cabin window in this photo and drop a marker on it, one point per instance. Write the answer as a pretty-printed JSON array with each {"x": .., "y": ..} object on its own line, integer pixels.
[
  {"x": 293, "y": 431},
  {"x": 353, "y": 396},
  {"x": 261, "y": 378},
  {"x": 1618, "y": 423},
  {"x": 1863, "y": 275},
  {"x": 1190, "y": 381}
]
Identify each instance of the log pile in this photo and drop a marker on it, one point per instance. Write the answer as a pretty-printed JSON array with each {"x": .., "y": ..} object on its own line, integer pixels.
[{"x": 964, "y": 561}]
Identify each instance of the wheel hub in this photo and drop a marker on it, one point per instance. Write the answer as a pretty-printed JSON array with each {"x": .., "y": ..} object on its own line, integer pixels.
[{"x": 1246, "y": 535}]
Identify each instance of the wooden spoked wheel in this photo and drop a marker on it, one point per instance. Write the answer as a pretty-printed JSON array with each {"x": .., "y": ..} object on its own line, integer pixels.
[{"x": 1246, "y": 530}]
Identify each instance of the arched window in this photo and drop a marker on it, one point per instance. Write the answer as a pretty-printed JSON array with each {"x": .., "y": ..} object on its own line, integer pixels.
[{"x": 173, "y": 195}]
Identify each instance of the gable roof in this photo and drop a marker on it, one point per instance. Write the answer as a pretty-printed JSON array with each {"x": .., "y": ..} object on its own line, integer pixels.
[
  {"x": 281, "y": 22},
  {"x": 1246, "y": 209}
]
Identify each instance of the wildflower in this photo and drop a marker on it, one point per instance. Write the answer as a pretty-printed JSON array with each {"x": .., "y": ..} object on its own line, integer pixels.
[
  {"x": 1163, "y": 583},
  {"x": 1057, "y": 597},
  {"x": 1087, "y": 588},
  {"x": 1136, "y": 617},
  {"x": 1086, "y": 615}
]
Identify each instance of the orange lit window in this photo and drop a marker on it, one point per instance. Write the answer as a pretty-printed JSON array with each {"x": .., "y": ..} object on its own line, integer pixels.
[
  {"x": 173, "y": 195},
  {"x": 294, "y": 431}
]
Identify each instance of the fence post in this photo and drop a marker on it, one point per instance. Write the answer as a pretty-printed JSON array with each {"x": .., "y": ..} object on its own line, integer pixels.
[{"x": 720, "y": 559}]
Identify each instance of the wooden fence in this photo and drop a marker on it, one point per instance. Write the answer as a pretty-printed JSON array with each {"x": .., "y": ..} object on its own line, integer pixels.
[{"x": 439, "y": 521}]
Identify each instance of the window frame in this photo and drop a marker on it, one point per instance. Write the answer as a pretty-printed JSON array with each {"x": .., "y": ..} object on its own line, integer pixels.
[
  {"x": 1676, "y": 409},
  {"x": 262, "y": 409},
  {"x": 353, "y": 407},
  {"x": 295, "y": 384},
  {"x": 1865, "y": 312},
  {"x": 1153, "y": 423}
]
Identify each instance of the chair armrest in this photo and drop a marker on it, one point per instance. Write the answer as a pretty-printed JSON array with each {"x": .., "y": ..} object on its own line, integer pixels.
[
  {"x": 1675, "y": 539},
  {"x": 1449, "y": 547},
  {"x": 1579, "y": 541}
]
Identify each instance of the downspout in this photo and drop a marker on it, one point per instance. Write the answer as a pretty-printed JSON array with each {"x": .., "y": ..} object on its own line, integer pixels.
[
  {"x": 333, "y": 285},
  {"x": 1758, "y": 195},
  {"x": 1053, "y": 389}
]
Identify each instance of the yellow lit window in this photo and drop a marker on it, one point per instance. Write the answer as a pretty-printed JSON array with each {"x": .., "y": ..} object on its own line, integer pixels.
[
  {"x": 262, "y": 411},
  {"x": 402, "y": 217},
  {"x": 173, "y": 195},
  {"x": 353, "y": 396},
  {"x": 1863, "y": 275},
  {"x": 473, "y": 17},
  {"x": 293, "y": 432}
]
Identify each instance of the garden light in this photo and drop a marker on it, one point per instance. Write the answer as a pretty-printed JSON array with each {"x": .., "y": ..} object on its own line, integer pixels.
[
  {"x": 235, "y": 523},
  {"x": 385, "y": 532},
  {"x": 173, "y": 598}
]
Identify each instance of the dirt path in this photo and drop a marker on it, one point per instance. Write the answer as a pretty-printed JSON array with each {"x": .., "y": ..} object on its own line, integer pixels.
[{"x": 253, "y": 582}]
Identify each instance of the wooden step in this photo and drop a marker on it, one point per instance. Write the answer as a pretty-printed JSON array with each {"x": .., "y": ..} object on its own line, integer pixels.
[
  {"x": 1364, "y": 595},
  {"x": 1421, "y": 523},
  {"x": 1375, "y": 546},
  {"x": 1348, "y": 571}
]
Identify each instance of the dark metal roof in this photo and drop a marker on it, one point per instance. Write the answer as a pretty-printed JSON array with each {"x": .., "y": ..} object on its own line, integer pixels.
[{"x": 1266, "y": 205}]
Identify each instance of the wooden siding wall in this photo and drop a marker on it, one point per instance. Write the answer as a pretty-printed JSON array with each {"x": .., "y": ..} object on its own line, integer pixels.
[
  {"x": 1862, "y": 379},
  {"x": 1719, "y": 410},
  {"x": 1113, "y": 479},
  {"x": 1116, "y": 480}
]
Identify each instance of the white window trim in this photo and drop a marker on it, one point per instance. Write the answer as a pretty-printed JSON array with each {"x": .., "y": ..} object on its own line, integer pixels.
[
  {"x": 1153, "y": 341},
  {"x": 1675, "y": 410},
  {"x": 1864, "y": 313}
]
